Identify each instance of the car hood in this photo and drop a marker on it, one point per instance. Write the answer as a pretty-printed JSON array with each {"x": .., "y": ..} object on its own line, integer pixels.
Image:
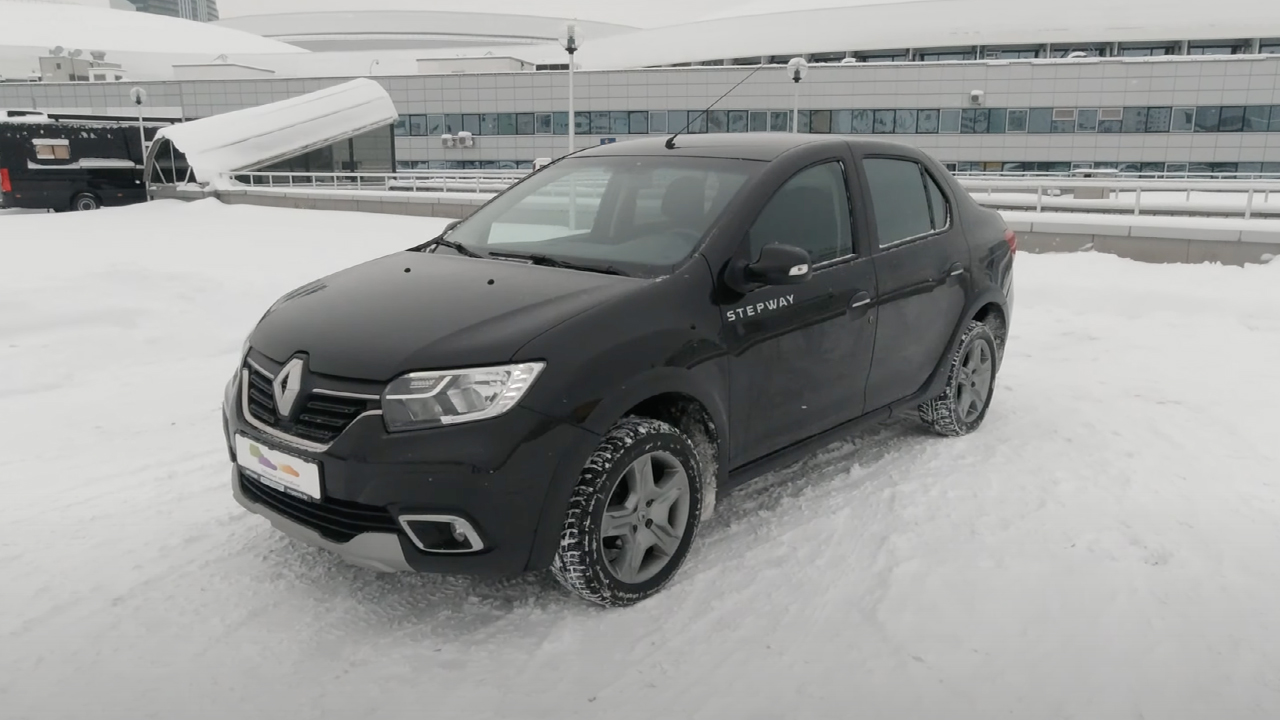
[{"x": 419, "y": 311}]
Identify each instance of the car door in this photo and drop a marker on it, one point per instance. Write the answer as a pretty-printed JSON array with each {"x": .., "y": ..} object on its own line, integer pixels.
[
  {"x": 922, "y": 261},
  {"x": 800, "y": 353}
]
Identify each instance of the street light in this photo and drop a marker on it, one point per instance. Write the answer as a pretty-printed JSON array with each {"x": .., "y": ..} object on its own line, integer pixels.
[
  {"x": 797, "y": 69},
  {"x": 139, "y": 97},
  {"x": 571, "y": 47}
]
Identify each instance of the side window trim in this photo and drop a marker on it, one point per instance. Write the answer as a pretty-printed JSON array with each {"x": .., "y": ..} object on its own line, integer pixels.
[
  {"x": 844, "y": 164},
  {"x": 924, "y": 173}
]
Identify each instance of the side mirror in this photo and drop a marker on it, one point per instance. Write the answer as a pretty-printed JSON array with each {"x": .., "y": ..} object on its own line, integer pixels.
[{"x": 780, "y": 265}]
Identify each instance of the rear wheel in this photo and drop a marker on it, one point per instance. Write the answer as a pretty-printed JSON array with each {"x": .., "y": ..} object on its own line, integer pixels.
[
  {"x": 632, "y": 516},
  {"x": 962, "y": 406},
  {"x": 85, "y": 201}
]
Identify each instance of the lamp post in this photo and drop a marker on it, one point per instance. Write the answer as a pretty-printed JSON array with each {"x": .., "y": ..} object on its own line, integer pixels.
[
  {"x": 571, "y": 46},
  {"x": 797, "y": 69},
  {"x": 139, "y": 97}
]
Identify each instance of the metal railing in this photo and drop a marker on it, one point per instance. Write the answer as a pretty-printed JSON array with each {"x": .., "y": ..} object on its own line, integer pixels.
[
  {"x": 1219, "y": 195},
  {"x": 1239, "y": 196},
  {"x": 472, "y": 181}
]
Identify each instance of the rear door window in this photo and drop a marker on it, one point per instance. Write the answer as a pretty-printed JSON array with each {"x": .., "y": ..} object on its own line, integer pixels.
[{"x": 906, "y": 200}]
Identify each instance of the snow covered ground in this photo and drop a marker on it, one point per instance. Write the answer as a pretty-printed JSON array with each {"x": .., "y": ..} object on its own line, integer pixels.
[{"x": 1105, "y": 547}]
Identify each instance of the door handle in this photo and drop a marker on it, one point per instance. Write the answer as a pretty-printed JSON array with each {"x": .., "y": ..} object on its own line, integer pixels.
[
  {"x": 859, "y": 300},
  {"x": 955, "y": 269}
]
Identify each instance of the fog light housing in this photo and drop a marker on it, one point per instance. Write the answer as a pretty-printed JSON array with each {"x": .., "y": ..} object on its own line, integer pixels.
[{"x": 446, "y": 534}]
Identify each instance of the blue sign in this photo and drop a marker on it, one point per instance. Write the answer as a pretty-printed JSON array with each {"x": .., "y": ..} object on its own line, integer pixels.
[{"x": 608, "y": 141}]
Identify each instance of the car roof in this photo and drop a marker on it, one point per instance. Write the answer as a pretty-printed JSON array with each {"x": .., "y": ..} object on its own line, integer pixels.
[{"x": 763, "y": 147}]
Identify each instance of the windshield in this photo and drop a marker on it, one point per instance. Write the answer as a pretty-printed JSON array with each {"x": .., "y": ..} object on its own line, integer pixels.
[{"x": 643, "y": 215}]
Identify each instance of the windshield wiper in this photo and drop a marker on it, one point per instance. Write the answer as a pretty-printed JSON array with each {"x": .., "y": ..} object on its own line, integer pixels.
[
  {"x": 548, "y": 261},
  {"x": 455, "y": 246}
]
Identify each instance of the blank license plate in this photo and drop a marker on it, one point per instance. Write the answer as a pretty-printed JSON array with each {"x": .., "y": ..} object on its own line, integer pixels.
[{"x": 277, "y": 469}]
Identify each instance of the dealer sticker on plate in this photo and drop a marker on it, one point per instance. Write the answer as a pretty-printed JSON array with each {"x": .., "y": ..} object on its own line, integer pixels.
[{"x": 280, "y": 470}]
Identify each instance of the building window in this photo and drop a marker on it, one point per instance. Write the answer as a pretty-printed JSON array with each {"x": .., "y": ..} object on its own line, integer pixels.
[
  {"x": 802, "y": 122},
  {"x": 1110, "y": 120},
  {"x": 718, "y": 121},
  {"x": 488, "y": 124},
  {"x": 453, "y": 124},
  {"x": 1017, "y": 121},
  {"x": 882, "y": 122},
  {"x": 737, "y": 121},
  {"x": 542, "y": 124},
  {"x": 758, "y": 122},
  {"x": 1269, "y": 49},
  {"x": 950, "y": 56},
  {"x": 904, "y": 122},
  {"x": 598, "y": 123},
  {"x": 1148, "y": 51},
  {"x": 638, "y": 123},
  {"x": 1275, "y": 118},
  {"x": 820, "y": 121},
  {"x": 417, "y": 125},
  {"x": 582, "y": 123},
  {"x": 862, "y": 122},
  {"x": 827, "y": 57},
  {"x": 471, "y": 124},
  {"x": 927, "y": 122},
  {"x": 506, "y": 124},
  {"x": 1087, "y": 120},
  {"x": 525, "y": 124},
  {"x": 949, "y": 121},
  {"x": 1088, "y": 51},
  {"x": 402, "y": 125},
  {"x": 1159, "y": 119},
  {"x": 1207, "y": 119},
  {"x": 1134, "y": 120},
  {"x": 779, "y": 121},
  {"x": 996, "y": 119},
  {"x": 1040, "y": 121},
  {"x": 619, "y": 123},
  {"x": 1215, "y": 49},
  {"x": 1184, "y": 120},
  {"x": 435, "y": 125},
  {"x": 1257, "y": 118},
  {"x": 1231, "y": 119},
  {"x": 1064, "y": 120},
  {"x": 658, "y": 122},
  {"x": 881, "y": 58}
]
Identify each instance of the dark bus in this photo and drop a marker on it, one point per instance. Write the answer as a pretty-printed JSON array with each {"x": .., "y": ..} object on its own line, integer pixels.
[{"x": 63, "y": 166}]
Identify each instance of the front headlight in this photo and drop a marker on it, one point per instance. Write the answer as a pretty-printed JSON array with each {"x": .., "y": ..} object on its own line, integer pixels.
[{"x": 431, "y": 399}]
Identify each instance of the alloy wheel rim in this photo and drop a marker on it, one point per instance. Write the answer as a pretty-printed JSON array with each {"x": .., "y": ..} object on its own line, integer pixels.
[
  {"x": 973, "y": 381},
  {"x": 645, "y": 518}
]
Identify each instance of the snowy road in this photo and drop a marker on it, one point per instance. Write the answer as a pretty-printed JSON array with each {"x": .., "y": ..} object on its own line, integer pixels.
[{"x": 1107, "y": 546}]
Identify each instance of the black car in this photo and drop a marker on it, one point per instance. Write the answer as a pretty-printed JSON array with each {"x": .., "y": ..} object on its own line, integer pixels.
[{"x": 567, "y": 378}]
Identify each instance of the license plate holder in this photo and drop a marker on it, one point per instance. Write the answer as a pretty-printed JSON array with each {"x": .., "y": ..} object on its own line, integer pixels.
[{"x": 278, "y": 469}]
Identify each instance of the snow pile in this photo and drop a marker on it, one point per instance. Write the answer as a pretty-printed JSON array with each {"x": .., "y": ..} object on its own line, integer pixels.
[
  {"x": 1104, "y": 547},
  {"x": 258, "y": 136}
]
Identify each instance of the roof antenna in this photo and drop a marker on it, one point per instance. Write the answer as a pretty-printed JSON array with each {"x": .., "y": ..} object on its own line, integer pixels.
[{"x": 671, "y": 141}]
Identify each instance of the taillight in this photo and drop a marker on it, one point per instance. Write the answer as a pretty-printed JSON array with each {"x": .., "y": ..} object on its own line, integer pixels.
[
  {"x": 1012, "y": 238},
  {"x": 5, "y": 185}
]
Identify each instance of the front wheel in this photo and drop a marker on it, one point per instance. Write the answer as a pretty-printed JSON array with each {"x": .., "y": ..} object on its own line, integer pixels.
[
  {"x": 84, "y": 202},
  {"x": 962, "y": 406},
  {"x": 632, "y": 516}
]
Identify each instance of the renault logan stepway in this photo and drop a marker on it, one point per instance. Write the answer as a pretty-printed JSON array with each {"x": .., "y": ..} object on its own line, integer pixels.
[{"x": 565, "y": 379}]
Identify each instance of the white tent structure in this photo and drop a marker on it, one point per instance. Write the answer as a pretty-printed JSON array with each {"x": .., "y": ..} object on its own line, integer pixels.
[{"x": 259, "y": 136}]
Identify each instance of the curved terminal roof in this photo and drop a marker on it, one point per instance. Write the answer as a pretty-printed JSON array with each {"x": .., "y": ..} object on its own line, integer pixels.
[
  {"x": 416, "y": 29},
  {"x": 48, "y": 25},
  {"x": 859, "y": 25}
]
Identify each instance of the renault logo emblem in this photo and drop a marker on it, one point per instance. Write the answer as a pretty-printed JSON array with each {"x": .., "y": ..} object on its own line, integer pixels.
[{"x": 286, "y": 386}]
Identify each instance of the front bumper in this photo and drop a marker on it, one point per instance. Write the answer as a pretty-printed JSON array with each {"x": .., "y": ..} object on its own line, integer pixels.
[
  {"x": 509, "y": 477},
  {"x": 376, "y": 551}
]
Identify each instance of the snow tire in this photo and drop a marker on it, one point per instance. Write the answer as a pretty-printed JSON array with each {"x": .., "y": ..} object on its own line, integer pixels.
[
  {"x": 944, "y": 414},
  {"x": 580, "y": 563}
]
